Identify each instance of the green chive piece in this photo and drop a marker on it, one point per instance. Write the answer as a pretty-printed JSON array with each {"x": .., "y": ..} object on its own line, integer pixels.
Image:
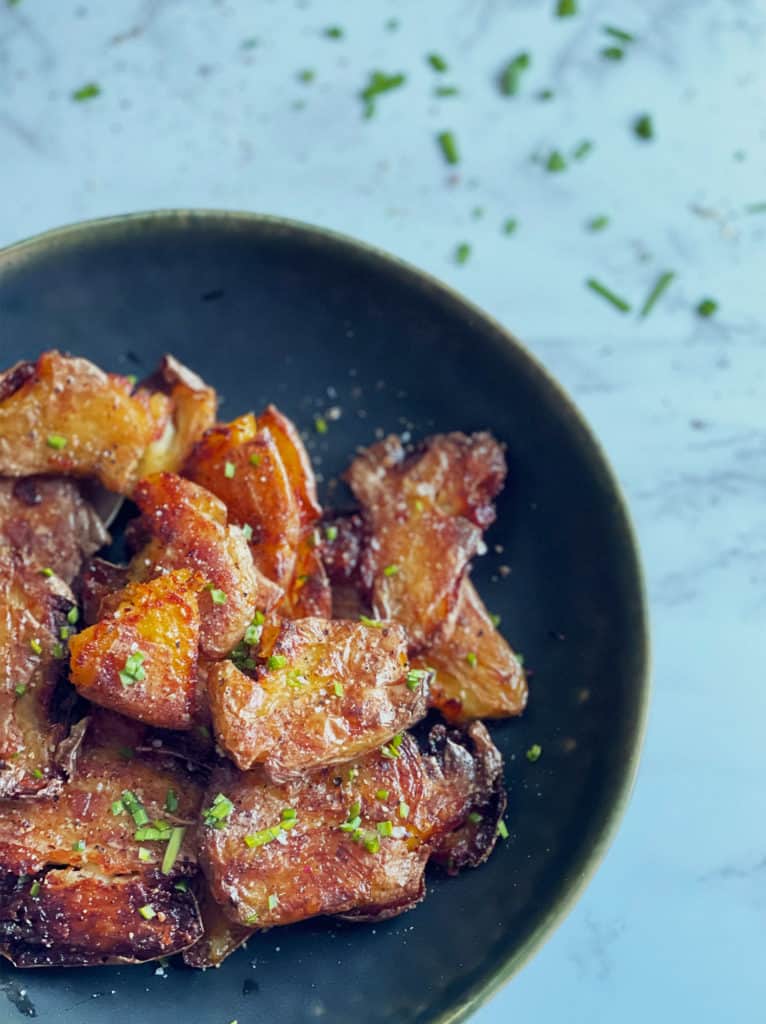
[
  {"x": 247, "y": 532},
  {"x": 78, "y": 846},
  {"x": 391, "y": 750},
  {"x": 495, "y": 619},
  {"x": 502, "y": 829},
  {"x": 276, "y": 661},
  {"x": 118, "y": 807},
  {"x": 46, "y": 572},
  {"x": 706, "y": 307},
  {"x": 37, "y": 647},
  {"x": 582, "y": 149},
  {"x": 320, "y": 425},
  {"x": 307, "y": 75},
  {"x": 172, "y": 850},
  {"x": 545, "y": 94},
  {"x": 353, "y": 773},
  {"x": 404, "y": 810},
  {"x": 331, "y": 532},
  {"x": 182, "y": 885},
  {"x": 474, "y": 817},
  {"x": 566, "y": 8},
  {"x": 416, "y": 676},
  {"x": 391, "y": 570},
  {"x": 337, "y": 689},
  {"x": 381, "y": 794},
  {"x": 73, "y": 615},
  {"x": 462, "y": 253},
  {"x": 134, "y": 807},
  {"x": 147, "y": 912},
  {"x": 266, "y": 835},
  {"x": 643, "y": 127},
  {"x": 509, "y": 225},
  {"x": 288, "y": 814},
  {"x": 218, "y": 596},
  {"x": 34, "y": 890},
  {"x": 393, "y": 24},
  {"x": 437, "y": 62},
  {"x": 612, "y": 53},
  {"x": 385, "y": 828},
  {"x": 371, "y": 623},
  {"x": 56, "y": 441},
  {"x": 217, "y": 814},
  {"x": 58, "y": 650},
  {"x": 36, "y": 773},
  {"x": 598, "y": 223},
  {"x": 534, "y": 752},
  {"x": 20, "y": 689},
  {"x": 229, "y": 469},
  {"x": 133, "y": 670},
  {"x": 606, "y": 293},
  {"x": 618, "y": 33},
  {"x": 448, "y": 146},
  {"x": 144, "y": 854},
  {"x": 372, "y": 842},
  {"x": 661, "y": 285},
  {"x": 334, "y": 32},
  {"x": 510, "y": 77},
  {"x": 255, "y": 459},
  {"x": 65, "y": 632},
  {"x": 379, "y": 82},
  {"x": 555, "y": 162},
  {"x": 252, "y": 918},
  {"x": 86, "y": 92},
  {"x": 446, "y": 90},
  {"x": 273, "y": 901},
  {"x": 171, "y": 801},
  {"x": 472, "y": 659}
]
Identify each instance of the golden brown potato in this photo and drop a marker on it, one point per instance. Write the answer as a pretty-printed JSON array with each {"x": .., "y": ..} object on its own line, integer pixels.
[
  {"x": 188, "y": 529},
  {"x": 308, "y": 593},
  {"x": 47, "y": 520},
  {"x": 477, "y": 673},
  {"x": 243, "y": 467},
  {"x": 351, "y": 841},
  {"x": 295, "y": 459},
  {"x": 141, "y": 660},
  {"x": 221, "y": 936},
  {"x": 190, "y": 412},
  {"x": 327, "y": 692},
  {"x": 33, "y": 612},
  {"x": 79, "y": 867},
  {"x": 64, "y": 416},
  {"x": 424, "y": 513}
]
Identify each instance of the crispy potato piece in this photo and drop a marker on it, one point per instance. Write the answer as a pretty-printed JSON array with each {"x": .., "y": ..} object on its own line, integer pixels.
[
  {"x": 425, "y": 513},
  {"x": 47, "y": 520},
  {"x": 295, "y": 459},
  {"x": 309, "y": 593},
  {"x": 191, "y": 411},
  {"x": 188, "y": 529},
  {"x": 294, "y": 850},
  {"x": 477, "y": 673},
  {"x": 33, "y": 611},
  {"x": 328, "y": 692},
  {"x": 64, "y": 416},
  {"x": 141, "y": 660},
  {"x": 221, "y": 936}
]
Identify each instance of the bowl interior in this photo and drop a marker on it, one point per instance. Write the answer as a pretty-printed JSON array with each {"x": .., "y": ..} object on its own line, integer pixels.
[{"x": 269, "y": 311}]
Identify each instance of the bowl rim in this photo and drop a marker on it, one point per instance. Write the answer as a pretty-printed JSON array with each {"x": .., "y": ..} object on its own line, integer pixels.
[{"x": 591, "y": 858}]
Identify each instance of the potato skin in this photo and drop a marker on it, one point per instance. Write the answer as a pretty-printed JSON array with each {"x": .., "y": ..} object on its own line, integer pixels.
[
  {"x": 159, "y": 620},
  {"x": 47, "y": 520},
  {"x": 33, "y": 611},
  {"x": 188, "y": 528},
  {"x": 424, "y": 514},
  {"x": 220, "y": 938},
  {"x": 316, "y": 867},
  {"x": 477, "y": 673},
  {"x": 106, "y": 429},
  {"x": 292, "y": 719}
]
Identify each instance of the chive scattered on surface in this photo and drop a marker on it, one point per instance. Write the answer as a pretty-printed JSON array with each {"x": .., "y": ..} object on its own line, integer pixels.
[
  {"x": 534, "y": 753},
  {"x": 474, "y": 817},
  {"x": 437, "y": 62},
  {"x": 333, "y": 32},
  {"x": 307, "y": 75},
  {"x": 36, "y": 646},
  {"x": 371, "y": 623},
  {"x": 555, "y": 162},
  {"x": 582, "y": 149},
  {"x": 462, "y": 253},
  {"x": 20, "y": 689},
  {"x": 606, "y": 293},
  {"x": 56, "y": 441},
  {"x": 337, "y": 689},
  {"x": 229, "y": 469},
  {"x": 661, "y": 285},
  {"x": 392, "y": 750},
  {"x": 46, "y": 572},
  {"x": 379, "y": 83},
  {"x": 217, "y": 814},
  {"x": 172, "y": 850},
  {"x": 707, "y": 307},
  {"x": 619, "y": 33},
  {"x": 171, "y": 801},
  {"x": 643, "y": 127},
  {"x": 273, "y": 901},
  {"x": 446, "y": 90},
  {"x": 217, "y": 596},
  {"x": 510, "y": 224},
  {"x": 34, "y": 890},
  {"x": 331, "y": 532},
  {"x": 73, "y": 615},
  {"x": 598, "y": 223},
  {"x": 502, "y": 829},
  {"x": 381, "y": 794},
  {"x": 612, "y": 53},
  {"x": 255, "y": 459},
  {"x": 510, "y": 76},
  {"x": 133, "y": 670},
  {"x": 89, "y": 91},
  {"x": 448, "y": 145},
  {"x": 276, "y": 661},
  {"x": 472, "y": 659},
  {"x": 391, "y": 570},
  {"x": 566, "y": 8},
  {"x": 147, "y": 912},
  {"x": 320, "y": 425},
  {"x": 495, "y": 619}
]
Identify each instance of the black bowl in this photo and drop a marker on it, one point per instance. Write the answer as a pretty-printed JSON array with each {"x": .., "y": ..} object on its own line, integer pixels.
[{"x": 270, "y": 310}]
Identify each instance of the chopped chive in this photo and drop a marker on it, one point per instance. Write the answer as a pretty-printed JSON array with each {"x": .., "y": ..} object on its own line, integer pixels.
[
  {"x": 545, "y": 94},
  {"x": 502, "y": 829},
  {"x": 566, "y": 8},
  {"x": 320, "y": 424},
  {"x": 65, "y": 632},
  {"x": 57, "y": 650},
  {"x": 78, "y": 846},
  {"x": 20, "y": 689},
  {"x": 331, "y": 532},
  {"x": 618, "y": 33},
  {"x": 255, "y": 459},
  {"x": 661, "y": 285},
  {"x": 598, "y": 223},
  {"x": 706, "y": 307},
  {"x": 73, "y": 615},
  {"x": 472, "y": 659},
  {"x": 273, "y": 901},
  {"x": 448, "y": 146},
  {"x": 86, "y": 92},
  {"x": 391, "y": 750},
  {"x": 34, "y": 889},
  {"x": 36, "y": 773},
  {"x": 171, "y": 801},
  {"x": 353, "y": 773},
  {"x": 264, "y": 836},
  {"x": 392, "y": 24},
  {"x": 372, "y": 623},
  {"x": 147, "y": 912},
  {"x": 172, "y": 850},
  {"x": 510, "y": 77},
  {"x": 247, "y": 531},
  {"x": 555, "y": 162},
  {"x": 582, "y": 149},
  {"x": 133, "y": 670},
  {"x": 56, "y": 441},
  {"x": 416, "y": 676},
  {"x": 381, "y": 794},
  {"x": 134, "y": 807},
  {"x": 474, "y": 817},
  {"x": 612, "y": 53},
  {"x": 385, "y": 828},
  {"x": 391, "y": 570},
  {"x": 371, "y": 842},
  {"x": 288, "y": 814},
  {"x": 605, "y": 293},
  {"x": 46, "y": 572},
  {"x": 643, "y": 127},
  {"x": 379, "y": 82},
  {"x": 334, "y": 32},
  {"x": 144, "y": 854},
  {"x": 37, "y": 647},
  {"x": 404, "y": 810},
  {"x": 276, "y": 661},
  {"x": 437, "y": 62},
  {"x": 446, "y": 90},
  {"x": 217, "y": 814},
  {"x": 217, "y": 596},
  {"x": 534, "y": 752},
  {"x": 118, "y": 807},
  {"x": 495, "y": 619},
  {"x": 306, "y": 76},
  {"x": 182, "y": 885},
  {"x": 462, "y": 253},
  {"x": 252, "y": 918},
  {"x": 337, "y": 689},
  {"x": 509, "y": 225},
  {"x": 229, "y": 469}
]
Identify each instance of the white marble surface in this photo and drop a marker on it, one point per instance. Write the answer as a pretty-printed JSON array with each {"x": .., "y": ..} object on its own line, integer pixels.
[{"x": 672, "y": 927}]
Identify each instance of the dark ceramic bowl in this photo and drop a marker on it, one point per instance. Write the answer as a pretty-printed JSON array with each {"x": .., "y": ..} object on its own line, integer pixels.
[{"x": 271, "y": 310}]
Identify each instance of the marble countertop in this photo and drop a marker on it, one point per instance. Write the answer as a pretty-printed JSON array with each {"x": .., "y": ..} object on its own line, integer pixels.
[{"x": 203, "y": 104}]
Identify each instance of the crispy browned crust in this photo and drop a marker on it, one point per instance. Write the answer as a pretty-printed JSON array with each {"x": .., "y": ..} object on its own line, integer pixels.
[
  {"x": 316, "y": 867},
  {"x": 33, "y": 611},
  {"x": 221, "y": 936},
  {"x": 190, "y": 412},
  {"x": 188, "y": 529},
  {"x": 340, "y": 691},
  {"x": 105, "y": 427},
  {"x": 295, "y": 459},
  {"x": 308, "y": 593},
  {"x": 424, "y": 513},
  {"x": 160, "y": 621},
  {"x": 477, "y": 673},
  {"x": 47, "y": 520}
]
